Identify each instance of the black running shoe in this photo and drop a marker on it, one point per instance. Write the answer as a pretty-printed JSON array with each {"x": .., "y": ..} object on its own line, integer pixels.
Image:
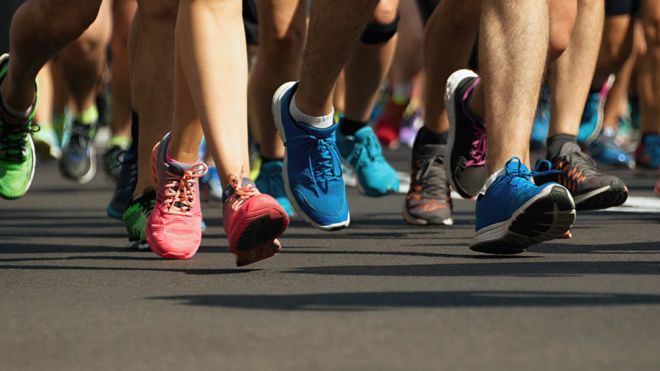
[
  {"x": 78, "y": 161},
  {"x": 125, "y": 184},
  {"x": 111, "y": 161},
  {"x": 428, "y": 200},
  {"x": 591, "y": 190},
  {"x": 466, "y": 146}
]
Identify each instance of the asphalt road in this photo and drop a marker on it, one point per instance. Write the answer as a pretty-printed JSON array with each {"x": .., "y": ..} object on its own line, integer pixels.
[{"x": 381, "y": 295}]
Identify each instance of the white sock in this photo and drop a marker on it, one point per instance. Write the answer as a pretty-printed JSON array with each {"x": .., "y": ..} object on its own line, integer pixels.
[
  {"x": 491, "y": 179},
  {"x": 320, "y": 122}
]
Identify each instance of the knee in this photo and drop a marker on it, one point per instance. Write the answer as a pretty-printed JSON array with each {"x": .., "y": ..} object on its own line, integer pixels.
[
  {"x": 282, "y": 43},
  {"x": 71, "y": 23},
  {"x": 383, "y": 25},
  {"x": 651, "y": 24},
  {"x": 559, "y": 40},
  {"x": 158, "y": 11}
]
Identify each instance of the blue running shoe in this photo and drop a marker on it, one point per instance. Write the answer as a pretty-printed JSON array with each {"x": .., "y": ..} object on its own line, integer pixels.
[
  {"x": 362, "y": 152},
  {"x": 270, "y": 182},
  {"x": 541, "y": 120},
  {"x": 312, "y": 166},
  {"x": 647, "y": 155},
  {"x": 607, "y": 151},
  {"x": 592, "y": 119},
  {"x": 515, "y": 213},
  {"x": 209, "y": 185}
]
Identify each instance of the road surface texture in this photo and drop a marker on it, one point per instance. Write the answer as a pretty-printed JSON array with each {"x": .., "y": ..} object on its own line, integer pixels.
[{"x": 381, "y": 295}]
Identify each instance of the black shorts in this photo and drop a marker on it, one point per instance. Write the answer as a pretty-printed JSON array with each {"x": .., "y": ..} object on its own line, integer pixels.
[
  {"x": 426, "y": 8},
  {"x": 250, "y": 22},
  {"x": 615, "y": 8}
]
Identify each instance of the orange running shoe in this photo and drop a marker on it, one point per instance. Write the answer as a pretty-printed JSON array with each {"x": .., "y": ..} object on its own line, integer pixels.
[
  {"x": 174, "y": 228},
  {"x": 253, "y": 221}
]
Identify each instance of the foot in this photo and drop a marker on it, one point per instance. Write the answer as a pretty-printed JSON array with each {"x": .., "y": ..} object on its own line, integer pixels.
[
  {"x": 606, "y": 151},
  {"x": 46, "y": 143},
  {"x": 515, "y": 213},
  {"x": 466, "y": 147},
  {"x": 78, "y": 161},
  {"x": 647, "y": 155},
  {"x": 253, "y": 221},
  {"x": 17, "y": 161},
  {"x": 591, "y": 190},
  {"x": 270, "y": 182},
  {"x": 125, "y": 186},
  {"x": 174, "y": 228},
  {"x": 112, "y": 161},
  {"x": 363, "y": 154},
  {"x": 312, "y": 166},
  {"x": 389, "y": 122},
  {"x": 428, "y": 200},
  {"x": 135, "y": 219},
  {"x": 592, "y": 118}
]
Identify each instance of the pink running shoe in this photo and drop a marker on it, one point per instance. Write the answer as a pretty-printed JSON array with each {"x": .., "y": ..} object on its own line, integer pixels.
[
  {"x": 174, "y": 228},
  {"x": 253, "y": 221}
]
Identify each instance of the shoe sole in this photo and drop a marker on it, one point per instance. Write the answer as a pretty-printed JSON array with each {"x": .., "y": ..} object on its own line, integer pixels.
[
  {"x": 89, "y": 175},
  {"x": 408, "y": 218},
  {"x": 529, "y": 225},
  {"x": 277, "y": 117},
  {"x": 258, "y": 240},
  {"x": 450, "y": 99},
  {"x": 601, "y": 198},
  {"x": 34, "y": 165}
]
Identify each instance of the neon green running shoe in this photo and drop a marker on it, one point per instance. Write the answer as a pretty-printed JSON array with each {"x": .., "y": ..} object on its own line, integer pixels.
[
  {"x": 135, "y": 217},
  {"x": 17, "y": 160}
]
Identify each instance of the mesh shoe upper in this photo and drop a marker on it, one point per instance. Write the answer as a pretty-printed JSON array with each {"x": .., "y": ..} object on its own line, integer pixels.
[{"x": 428, "y": 199}]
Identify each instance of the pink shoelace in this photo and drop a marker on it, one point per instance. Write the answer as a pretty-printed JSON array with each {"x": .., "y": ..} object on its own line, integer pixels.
[{"x": 180, "y": 191}]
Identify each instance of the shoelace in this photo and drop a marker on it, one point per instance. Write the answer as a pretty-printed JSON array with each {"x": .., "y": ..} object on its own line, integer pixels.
[
  {"x": 324, "y": 160},
  {"x": 369, "y": 152},
  {"x": 12, "y": 141},
  {"x": 242, "y": 193},
  {"x": 574, "y": 168},
  {"x": 523, "y": 172},
  {"x": 180, "y": 191},
  {"x": 477, "y": 152},
  {"x": 427, "y": 181}
]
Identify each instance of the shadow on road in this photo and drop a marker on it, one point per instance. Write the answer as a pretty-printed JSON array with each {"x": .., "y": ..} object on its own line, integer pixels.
[{"x": 367, "y": 301}]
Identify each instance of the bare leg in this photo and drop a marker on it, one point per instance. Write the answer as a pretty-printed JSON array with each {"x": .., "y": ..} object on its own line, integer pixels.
[
  {"x": 34, "y": 40},
  {"x": 367, "y": 67},
  {"x": 453, "y": 26},
  {"x": 219, "y": 94},
  {"x": 649, "y": 69},
  {"x": 513, "y": 46},
  {"x": 83, "y": 60},
  {"x": 282, "y": 29},
  {"x": 120, "y": 88},
  {"x": 152, "y": 78},
  {"x": 334, "y": 29},
  {"x": 571, "y": 74}
]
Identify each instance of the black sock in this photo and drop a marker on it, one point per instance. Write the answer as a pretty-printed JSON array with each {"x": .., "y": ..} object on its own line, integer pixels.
[
  {"x": 265, "y": 160},
  {"x": 135, "y": 130},
  {"x": 350, "y": 127},
  {"x": 426, "y": 136},
  {"x": 555, "y": 143}
]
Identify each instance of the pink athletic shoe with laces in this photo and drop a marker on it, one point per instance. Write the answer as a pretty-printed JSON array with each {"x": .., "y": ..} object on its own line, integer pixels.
[
  {"x": 252, "y": 220},
  {"x": 174, "y": 228}
]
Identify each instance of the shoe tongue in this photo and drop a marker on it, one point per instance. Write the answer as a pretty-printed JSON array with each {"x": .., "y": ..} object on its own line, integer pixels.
[
  {"x": 568, "y": 148},
  {"x": 515, "y": 165},
  {"x": 429, "y": 150},
  {"x": 321, "y": 133},
  {"x": 230, "y": 189},
  {"x": 364, "y": 133}
]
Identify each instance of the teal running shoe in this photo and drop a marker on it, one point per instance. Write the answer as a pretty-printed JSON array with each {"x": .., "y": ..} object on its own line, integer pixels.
[
  {"x": 515, "y": 213},
  {"x": 270, "y": 182},
  {"x": 647, "y": 155},
  {"x": 363, "y": 153},
  {"x": 592, "y": 118},
  {"x": 46, "y": 143},
  {"x": 17, "y": 153}
]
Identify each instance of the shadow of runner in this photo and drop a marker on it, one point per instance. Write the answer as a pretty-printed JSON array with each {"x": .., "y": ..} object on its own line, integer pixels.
[{"x": 369, "y": 301}]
